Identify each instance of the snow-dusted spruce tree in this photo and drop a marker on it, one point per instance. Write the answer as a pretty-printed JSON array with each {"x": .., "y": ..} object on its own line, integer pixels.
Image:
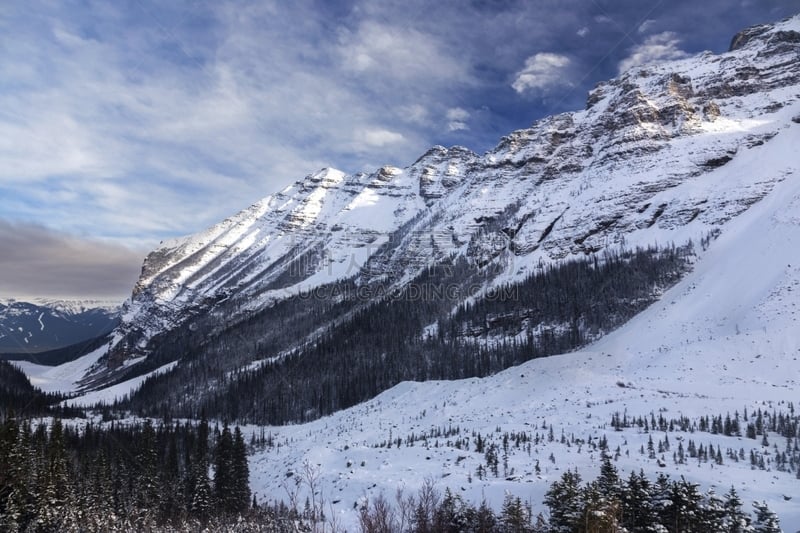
[
  {"x": 766, "y": 521},
  {"x": 736, "y": 519},
  {"x": 565, "y": 500},
  {"x": 638, "y": 508},
  {"x": 713, "y": 516},
  {"x": 200, "y": 504},
  {"x": 53, "y": 491}
]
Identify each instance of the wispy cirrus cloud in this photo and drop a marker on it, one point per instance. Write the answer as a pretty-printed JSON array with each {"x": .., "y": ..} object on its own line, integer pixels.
[
  {"x": 647, "y": 25},
  {"x": 399, "y": 53}
]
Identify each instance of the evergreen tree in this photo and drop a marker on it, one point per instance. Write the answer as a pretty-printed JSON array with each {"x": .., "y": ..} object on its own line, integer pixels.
[
  {"x": 608, "y": 482},
  {"x": 484, "y": 520},
  {"x": 515, "y": 518},
  {"x": 450, "y": 516},
  {"x": 766, "y": 521},
  {"x": 240, "y": 473},
  {"x": 169, "y": 479},
  {"x": 10, "y": 506},
  {"x": 201, "y": 495},
  {"x": 638, "y": 511},
  {"x": 147, "y": 466},
  {"x": 714, "y": 513},
  {"x": 736, "y": 519},
  {"x": 565, "y": 500},
  {"x": 601, "y": 512},
  {"x": 686, "y": 507},
  {"x": 53, "y": 482},
  {"x": 223, "y": 471}
]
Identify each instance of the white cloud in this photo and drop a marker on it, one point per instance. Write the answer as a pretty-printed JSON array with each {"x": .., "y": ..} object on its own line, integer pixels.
[
  {"x": 543, "y": 72},
  {"x": 414, "y": 113},
  {"x": 457, "y": 119},
  {"x": 645, "y": 26},
  {"x": 131, "y": 143},
  {"x": 583, "y": 32},
  {"x": 379, "y": 137},
  {"x": 457, "y": 113},
  {"x": 397, "y": 53},
  {"x": 659, "y": 47}
]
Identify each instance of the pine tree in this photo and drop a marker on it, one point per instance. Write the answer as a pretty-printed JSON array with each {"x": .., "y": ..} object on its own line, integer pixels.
[
  {"x": 11, "y": 510},
  {"x": 766, "y": 520},
  {"x": 450, "y": 515},
  {"x": 102, "y": 506},
  {"x": 484, "y": 520},
  {"x": 240, "y": 473},
  {"x": 147, "y": 466},
  {"x": 600, "y": 512},
  {"x": 713, "y": 513},
  {"x": 565, "y": 500},
  {"x": 736, "y": 520},
  {"x": 53, "y": 482},
  {"x": 514, "y": 517},
  {"x": 201, "y": 496},
  {"x": 662, "y": 501},
  {"x": 169, "y": 478},
  {"x": 223, "y": 472},
  {"x": 638, "y": 511},
  {"x": 608, "y": 481},
  {"x": 686, "y": 506}
]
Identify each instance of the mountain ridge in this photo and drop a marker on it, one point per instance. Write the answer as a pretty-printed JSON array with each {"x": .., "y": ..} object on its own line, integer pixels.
[
  {"x": 28, "y": 328},
  {"x": 647, "y": 161},
  {"x": 700, "y": 150}
]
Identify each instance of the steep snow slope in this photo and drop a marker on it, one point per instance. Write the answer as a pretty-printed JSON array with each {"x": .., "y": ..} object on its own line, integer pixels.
[
  {"x": 723, "y": 340},
  {"x": 651, "y": 159}
]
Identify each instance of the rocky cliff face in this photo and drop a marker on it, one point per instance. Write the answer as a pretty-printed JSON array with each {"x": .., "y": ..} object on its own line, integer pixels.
[{"x": 652, "y": 159}]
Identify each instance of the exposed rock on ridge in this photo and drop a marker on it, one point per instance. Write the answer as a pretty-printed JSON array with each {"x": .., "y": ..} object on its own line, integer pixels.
[{"x": 652, "y": 158}]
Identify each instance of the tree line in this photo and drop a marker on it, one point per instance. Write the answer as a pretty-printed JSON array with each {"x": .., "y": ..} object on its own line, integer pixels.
[
  {"x": 371, "y": 348},
  {"x": 606, "y": 505},
  {"x": 142, "y": 476}
]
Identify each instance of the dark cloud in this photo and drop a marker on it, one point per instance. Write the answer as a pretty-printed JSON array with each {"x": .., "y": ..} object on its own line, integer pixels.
[{"x": 38, "y": 262}]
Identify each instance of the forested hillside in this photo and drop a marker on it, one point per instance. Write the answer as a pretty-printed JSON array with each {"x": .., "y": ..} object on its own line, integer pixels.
[{"x": 407, "y": 335}]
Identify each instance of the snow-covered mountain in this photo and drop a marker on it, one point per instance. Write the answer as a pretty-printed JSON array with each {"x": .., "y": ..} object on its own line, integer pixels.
[
  {"x": 652, "y": 159},
  {"x": 723, "y": 342},
  {"x": 41, "y": 325},
  {"x": 701, "y": 149}
]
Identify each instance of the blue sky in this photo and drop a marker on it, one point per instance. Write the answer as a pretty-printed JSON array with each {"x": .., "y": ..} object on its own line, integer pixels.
[{"x": 123, "y": 123}]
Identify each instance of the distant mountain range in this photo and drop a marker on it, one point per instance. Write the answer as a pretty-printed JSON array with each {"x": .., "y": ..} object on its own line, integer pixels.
[{"x": 34, "y": 327}]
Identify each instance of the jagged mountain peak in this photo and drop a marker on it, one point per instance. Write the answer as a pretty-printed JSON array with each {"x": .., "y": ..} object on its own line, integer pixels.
[
  {"x": 642, "y": 163},
  {"x": 768, "y": 35}
]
